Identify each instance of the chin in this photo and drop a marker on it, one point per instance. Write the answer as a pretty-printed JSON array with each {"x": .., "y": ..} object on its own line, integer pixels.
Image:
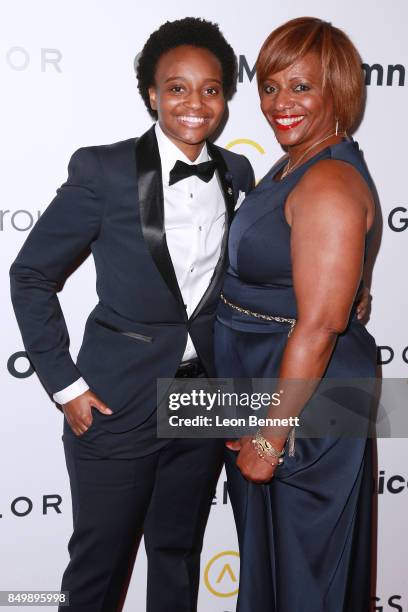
[
  {"x": 290, "y": 138},
  {"x": 197, "y": 137},
  {"x": 194, "y": 138},
  {"x": 287, "y": 140}
]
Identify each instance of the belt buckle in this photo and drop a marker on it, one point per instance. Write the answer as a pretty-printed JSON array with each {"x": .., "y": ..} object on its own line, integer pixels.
[{"x": 188, "y": 370}]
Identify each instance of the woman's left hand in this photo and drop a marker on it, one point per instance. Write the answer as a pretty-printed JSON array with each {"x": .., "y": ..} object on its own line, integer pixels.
[{"x": 252, "y": 467}]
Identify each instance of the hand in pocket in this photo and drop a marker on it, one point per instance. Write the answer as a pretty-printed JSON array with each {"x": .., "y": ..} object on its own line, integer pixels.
[{"x": 78, "y": 411}]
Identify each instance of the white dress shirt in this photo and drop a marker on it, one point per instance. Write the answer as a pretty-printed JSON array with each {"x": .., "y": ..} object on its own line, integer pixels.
[{"x": 194, "y": 223}]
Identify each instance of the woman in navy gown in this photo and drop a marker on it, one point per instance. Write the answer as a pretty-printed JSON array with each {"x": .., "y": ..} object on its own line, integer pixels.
[{"x": 297, "y": 247}]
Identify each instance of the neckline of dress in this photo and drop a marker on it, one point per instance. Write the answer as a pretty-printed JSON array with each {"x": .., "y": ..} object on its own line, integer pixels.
[{"x": 293, "y": 173}]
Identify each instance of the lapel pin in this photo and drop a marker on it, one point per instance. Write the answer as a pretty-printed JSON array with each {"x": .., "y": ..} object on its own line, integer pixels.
[{"x": 229, "y": 190}]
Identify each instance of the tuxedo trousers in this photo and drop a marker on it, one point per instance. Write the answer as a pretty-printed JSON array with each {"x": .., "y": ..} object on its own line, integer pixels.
[{"x": 165, "y": 494}]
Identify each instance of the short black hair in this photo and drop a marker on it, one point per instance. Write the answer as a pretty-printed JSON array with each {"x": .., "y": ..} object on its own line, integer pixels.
[{"x": 192, "y": 31}]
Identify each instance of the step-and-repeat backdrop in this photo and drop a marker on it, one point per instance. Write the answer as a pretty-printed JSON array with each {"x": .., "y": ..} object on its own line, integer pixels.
[{"x": 67, "y": 80}]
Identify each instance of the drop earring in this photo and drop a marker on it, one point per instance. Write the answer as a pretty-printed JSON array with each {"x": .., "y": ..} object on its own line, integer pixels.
[{"x": 337, "y": 127}]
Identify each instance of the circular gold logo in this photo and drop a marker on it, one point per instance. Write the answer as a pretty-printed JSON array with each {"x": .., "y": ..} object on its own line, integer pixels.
[
  {"x": 221, "y": 576},
  {"x": 246, "y": 141}
]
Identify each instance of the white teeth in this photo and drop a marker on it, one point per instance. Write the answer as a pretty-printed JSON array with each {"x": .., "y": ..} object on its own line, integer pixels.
[
  {"x": 187, "y": 119},
  {"x": 289, "y": 120}
]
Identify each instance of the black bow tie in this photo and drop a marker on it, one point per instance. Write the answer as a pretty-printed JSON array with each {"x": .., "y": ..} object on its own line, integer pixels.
[{"x": 204, "y": 171}]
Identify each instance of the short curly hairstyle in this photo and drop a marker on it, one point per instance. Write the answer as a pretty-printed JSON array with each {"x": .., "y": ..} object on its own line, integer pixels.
[{"x": 188, "y": 31}]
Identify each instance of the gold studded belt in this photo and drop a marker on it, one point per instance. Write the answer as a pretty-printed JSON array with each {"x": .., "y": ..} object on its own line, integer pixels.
[
  {"x": 264, "y": 317},
  {"x": 258, "y": 315}
]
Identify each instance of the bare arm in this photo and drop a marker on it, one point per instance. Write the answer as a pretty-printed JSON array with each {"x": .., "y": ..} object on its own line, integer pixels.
[{"x": 330, "y": 214}]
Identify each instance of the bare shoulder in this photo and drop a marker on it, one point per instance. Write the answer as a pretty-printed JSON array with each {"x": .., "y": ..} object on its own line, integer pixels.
[{"x": 331, "y": 187}]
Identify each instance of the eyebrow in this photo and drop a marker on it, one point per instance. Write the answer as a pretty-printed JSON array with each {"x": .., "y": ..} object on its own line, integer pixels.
[
  {"x": 295, "y": 78},
  {"x": 300, "y": 76},
  {"x": 181, "y": 78}
]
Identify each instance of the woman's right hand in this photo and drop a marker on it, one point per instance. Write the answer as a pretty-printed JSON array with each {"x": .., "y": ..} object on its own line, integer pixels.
[{"x": 79, "y": 414}]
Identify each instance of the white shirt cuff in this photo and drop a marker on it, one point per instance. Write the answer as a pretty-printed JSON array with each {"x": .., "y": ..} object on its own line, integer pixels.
[{"x": 69, "y": 393}]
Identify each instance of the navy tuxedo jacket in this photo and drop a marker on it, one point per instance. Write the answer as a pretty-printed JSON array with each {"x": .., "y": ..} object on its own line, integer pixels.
[{"x": 112, "y": 205}]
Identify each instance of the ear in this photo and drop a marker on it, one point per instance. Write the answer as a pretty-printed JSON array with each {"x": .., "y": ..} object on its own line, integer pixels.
[{"x": 153, "y": 98}]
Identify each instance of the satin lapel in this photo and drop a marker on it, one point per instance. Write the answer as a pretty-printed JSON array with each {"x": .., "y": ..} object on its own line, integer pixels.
[
  {"x": 225, "y": 181},
  {"x": 150, "y": 190}
]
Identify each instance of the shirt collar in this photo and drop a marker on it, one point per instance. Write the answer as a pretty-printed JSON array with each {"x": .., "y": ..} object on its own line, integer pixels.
[{"x": 170, "y": 153}]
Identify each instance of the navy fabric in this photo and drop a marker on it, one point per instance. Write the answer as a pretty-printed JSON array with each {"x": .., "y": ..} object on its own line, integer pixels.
[
  {"x": 123, "y": 478},
  {"x": 98, "y": 210},
  {"x": 167, "y": 495},
  {"x": 304, "y": 537}
]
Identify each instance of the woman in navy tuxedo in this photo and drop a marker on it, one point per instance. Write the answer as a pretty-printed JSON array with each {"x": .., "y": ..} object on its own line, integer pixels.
[
  {"x": 296, "y": 253},
  {"x": 154, "y": 211}
]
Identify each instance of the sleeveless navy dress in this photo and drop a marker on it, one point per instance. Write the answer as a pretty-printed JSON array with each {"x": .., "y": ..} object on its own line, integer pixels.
[{"x": 305, "y": 537}]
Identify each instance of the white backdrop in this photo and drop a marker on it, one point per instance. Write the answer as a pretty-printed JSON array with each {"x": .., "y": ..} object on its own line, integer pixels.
[{"x": 67, "y": 80}]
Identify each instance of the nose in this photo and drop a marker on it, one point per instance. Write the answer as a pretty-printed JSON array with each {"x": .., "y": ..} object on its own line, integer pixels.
[
  {"x": 193, "y": 100},
  {"x": 283, "y": 100}
]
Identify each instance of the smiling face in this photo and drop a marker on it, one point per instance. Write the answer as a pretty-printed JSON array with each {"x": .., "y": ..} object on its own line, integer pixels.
[
  {"x": 188, "y": 97},
  {"x": 295, "y": 104}
]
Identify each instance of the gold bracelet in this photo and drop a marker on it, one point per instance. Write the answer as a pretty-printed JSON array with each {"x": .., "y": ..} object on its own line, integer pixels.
[
  {"x": 266, "y": 450},
  {"x": 265, "y": 458}
]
